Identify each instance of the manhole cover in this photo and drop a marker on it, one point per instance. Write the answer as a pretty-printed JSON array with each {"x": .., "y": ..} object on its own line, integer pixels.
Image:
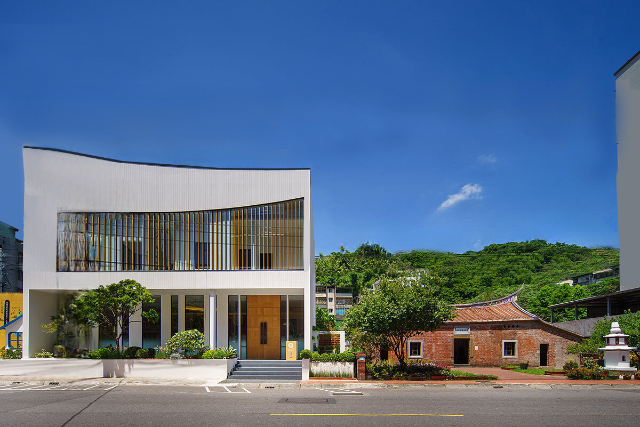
[{"x": 306, "y": 400}]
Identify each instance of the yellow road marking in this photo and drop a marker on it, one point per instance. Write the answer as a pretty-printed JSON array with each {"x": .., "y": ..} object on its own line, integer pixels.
[{"x": 371, "y": 415}]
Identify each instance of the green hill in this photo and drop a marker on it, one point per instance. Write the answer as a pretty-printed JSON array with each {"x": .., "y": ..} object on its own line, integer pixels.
[{"x": 495, "y": 271}]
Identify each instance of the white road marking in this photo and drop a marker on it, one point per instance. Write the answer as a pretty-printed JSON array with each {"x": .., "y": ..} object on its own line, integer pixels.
[
  {"x": 29, "y": 387},
  {"x": 226, "y": 388}
]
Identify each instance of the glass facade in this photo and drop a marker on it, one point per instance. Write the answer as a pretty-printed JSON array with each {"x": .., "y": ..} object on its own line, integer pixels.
[
  {"x": 283, "y": 326},
  {"x": 262, "y": 237},
  {"x": 232, "y": 322},
  {"x": 174, "y": 314},
  {"x": 296, "y": 320},
  {"x": 151, "y": 331},
  {"x": 107, "y": 337},
  {"x": 194, "y": 312}
]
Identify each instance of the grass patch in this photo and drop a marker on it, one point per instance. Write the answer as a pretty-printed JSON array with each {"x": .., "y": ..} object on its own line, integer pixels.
[
  {"x": 534, "y": 371},
  {"x": 462, "y": 374}
]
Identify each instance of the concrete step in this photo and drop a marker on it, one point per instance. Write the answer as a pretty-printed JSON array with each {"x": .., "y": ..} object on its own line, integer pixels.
[{"x": 266, "y": 370}]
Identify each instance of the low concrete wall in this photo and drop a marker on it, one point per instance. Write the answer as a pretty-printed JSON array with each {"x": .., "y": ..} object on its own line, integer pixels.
[
  {"x": 206, "y": 369},
  {"x": 305, "y": 369},
  {"x": 332, "y": 369},
  {"x": 582, "y": 326}
]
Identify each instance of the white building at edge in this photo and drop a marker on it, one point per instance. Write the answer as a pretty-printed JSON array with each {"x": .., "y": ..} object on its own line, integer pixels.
[
  {"x": 227, "y": 251},
  {"x": 628, "y": 138}
]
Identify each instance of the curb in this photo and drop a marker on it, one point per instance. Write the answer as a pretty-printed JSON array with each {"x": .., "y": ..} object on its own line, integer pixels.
[{"x": 498, "y": 384}]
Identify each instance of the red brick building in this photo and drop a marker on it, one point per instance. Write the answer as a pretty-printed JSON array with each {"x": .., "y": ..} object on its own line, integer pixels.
[{"x": 493, "y": 333}]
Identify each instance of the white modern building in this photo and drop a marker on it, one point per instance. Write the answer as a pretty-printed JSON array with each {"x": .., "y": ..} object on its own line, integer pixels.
[
  {"x": 227, "y": 251},
  {"x": 628, "y": 138}
]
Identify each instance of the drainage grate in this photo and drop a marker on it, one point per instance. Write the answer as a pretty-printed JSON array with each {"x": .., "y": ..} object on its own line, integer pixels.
[{"x": 306, "y": 400}]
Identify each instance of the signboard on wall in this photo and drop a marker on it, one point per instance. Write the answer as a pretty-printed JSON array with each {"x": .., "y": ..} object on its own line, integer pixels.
[
  {"x": 7, "y": 306},
  {"x": 461, "y": 330},
  {"x": 292, "y": 350}
]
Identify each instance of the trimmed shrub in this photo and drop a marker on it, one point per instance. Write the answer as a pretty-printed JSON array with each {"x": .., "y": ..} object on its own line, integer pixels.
[
  {"x": 589, "y": 371},
  {"x": 188, "y": 343},
  {"x": 105, "y": 353},
  {"x": 347, "y": 356},
  {"x": 161, "y": 353},
  {"x": 142, "y": 353},
  {"x": 218, "y": 353},
  {"x": 229, "y": 352},
  {"x": 570, "y": 364},
  {"x": 43, "y": 354},
  {"x": 305, "y": 354},
  {"x": 130, "y": 352},
  {"x": 12, "y": 354}
]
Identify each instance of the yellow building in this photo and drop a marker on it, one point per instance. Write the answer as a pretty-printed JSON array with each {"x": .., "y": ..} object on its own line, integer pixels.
[{"x": 11, "y": 303}]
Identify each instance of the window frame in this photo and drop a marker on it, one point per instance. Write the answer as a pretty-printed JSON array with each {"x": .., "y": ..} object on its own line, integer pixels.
[
  {"x": 409, "y": 355},
  {"x": 515, "y": 349},
  {"x": 15, "y": 337}
]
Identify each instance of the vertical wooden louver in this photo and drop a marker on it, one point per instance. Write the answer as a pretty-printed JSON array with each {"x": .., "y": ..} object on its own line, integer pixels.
[{"x": 262, "y": 237}]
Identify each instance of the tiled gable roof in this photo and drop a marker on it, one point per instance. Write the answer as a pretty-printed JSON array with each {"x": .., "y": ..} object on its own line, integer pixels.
[
  {"x": 492, "y": 313},
  {"x": 503, "y": 309}
]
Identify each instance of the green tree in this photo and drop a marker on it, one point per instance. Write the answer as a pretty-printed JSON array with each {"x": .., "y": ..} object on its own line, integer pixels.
[
  {"x": 630, "y": 325},
  {"x": 324, "y": 320},
  {"x": 113, "y": 305},
  {"x": 398, "y": 309},
  {"x": 68, "y": 323}
]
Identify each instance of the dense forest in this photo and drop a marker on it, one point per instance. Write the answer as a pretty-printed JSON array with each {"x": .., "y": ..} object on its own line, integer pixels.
[{"x": 495, "y": 271}]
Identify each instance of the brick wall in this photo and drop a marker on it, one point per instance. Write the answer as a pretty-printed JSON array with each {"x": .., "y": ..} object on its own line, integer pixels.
[
  {"x": 438, "y": 346},
  {"x": 328, "y": 339}
]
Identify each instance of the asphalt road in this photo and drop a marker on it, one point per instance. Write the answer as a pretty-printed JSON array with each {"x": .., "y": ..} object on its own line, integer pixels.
[{"x": 108, "y": 405}]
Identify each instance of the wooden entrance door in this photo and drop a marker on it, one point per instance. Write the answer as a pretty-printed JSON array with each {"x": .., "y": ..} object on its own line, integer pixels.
[{"x": 263, "y": 327}]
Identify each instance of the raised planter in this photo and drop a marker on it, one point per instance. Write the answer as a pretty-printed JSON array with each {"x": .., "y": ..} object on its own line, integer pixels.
[
  {"x": 438, "y": 377},
  {"x": 554, "y": 373},
  {"x": 332, "y": 369},
  {"x": 508, "y": 368},
  {"x": 216, "y": 369}
]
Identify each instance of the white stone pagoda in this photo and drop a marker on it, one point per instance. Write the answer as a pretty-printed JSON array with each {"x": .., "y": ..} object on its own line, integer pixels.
[{"x": 616, "y": 350}]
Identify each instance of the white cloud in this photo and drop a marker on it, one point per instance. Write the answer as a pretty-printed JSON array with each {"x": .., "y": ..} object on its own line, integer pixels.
[
  {"x": 487, "y": 159},
  {"x": 469, "y": 191}
]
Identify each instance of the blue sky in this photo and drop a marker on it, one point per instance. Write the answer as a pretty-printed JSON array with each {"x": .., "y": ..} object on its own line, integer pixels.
[{"x": 426, "y": 125}]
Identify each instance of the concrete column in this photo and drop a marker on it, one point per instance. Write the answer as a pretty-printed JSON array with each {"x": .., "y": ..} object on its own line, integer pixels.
[
  {"x": 210, "y": 320},
  {"x": 181, "y": 306},
  {"x": 307, "y": 316},
  {"x": 206, "y": 326},
  {"x": 95, "y": 338},
  {"x": 135, "y": 328},
  {"x": 165, "y": 318},
  {"x": 609, "y": 307}
]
